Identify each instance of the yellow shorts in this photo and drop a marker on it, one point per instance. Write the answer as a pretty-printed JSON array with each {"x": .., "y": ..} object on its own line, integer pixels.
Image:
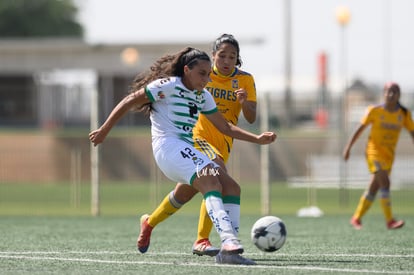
[
  {"x": 207, "y": 149},
  {"x": 375, "y": 164}
]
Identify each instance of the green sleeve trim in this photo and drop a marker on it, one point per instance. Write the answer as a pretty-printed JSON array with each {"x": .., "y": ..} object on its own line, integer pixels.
[
  {"x": 148, "y": 93},
  {"x": 231, "y": 199}
]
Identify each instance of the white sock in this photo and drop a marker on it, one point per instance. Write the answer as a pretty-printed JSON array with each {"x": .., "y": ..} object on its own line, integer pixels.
[
  {"x": 233, "y": 210},
  {"x": 218, "y": 215}
]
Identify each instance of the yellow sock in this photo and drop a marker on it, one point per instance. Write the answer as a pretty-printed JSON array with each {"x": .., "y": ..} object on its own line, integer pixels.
[
  {"x": 166, "y": 208},
  {"x": 364, "y": 204},
  {"x": 204, "y": 223},
  {"x": 386, "y": 204}
]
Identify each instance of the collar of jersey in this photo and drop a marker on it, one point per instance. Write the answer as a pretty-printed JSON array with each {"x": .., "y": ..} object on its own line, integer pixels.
[{"x": 216, "y": 71}]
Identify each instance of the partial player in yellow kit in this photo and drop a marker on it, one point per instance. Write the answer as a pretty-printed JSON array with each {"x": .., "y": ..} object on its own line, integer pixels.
[
  {"x": 224, "y": 90},
  {"x": 234, "y": 92},
  {"x": 386, "y": 122},
  {"x": 227, "y": 91}
]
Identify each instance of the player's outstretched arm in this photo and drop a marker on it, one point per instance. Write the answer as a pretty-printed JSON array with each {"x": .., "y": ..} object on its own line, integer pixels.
[
  {"x": 137, "y": 98},
  {"x": 347, "y": 150},
  {"x": 236, "y": 132}
]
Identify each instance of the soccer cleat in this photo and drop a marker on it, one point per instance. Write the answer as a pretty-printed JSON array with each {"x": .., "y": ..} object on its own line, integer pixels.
[
  {"x": 393, "y": 224},
  {"x": 144, "y": 237},
  {"x": 356, "y": 223},
  {"x": 231, "y": 246},
  {"x": 204, "y": 247},
  {"x": 233, "y": 259}
]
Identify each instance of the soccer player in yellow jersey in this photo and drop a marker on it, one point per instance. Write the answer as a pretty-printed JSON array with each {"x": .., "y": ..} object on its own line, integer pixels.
[
  {"x": 386, "y": 122},
  {"x": 234, "y": 92}
]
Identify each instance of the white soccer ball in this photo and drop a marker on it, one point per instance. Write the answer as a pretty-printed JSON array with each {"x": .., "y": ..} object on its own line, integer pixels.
[{"x": 269, "y": 233}]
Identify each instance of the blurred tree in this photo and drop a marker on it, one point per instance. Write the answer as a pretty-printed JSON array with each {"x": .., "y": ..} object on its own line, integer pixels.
[{"x": 39, "y": 18}]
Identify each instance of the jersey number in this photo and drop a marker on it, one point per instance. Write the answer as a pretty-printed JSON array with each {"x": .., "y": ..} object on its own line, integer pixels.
[{"x": 187, "y": 153}]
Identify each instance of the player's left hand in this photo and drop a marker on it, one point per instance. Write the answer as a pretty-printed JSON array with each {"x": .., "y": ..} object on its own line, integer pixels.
[{"x": 267, "y": 138}]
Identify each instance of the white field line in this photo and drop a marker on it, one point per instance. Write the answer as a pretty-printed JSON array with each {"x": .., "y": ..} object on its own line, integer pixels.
[
  {"x": 154, "y": 254},
  {"x": 24, "y": 256}
]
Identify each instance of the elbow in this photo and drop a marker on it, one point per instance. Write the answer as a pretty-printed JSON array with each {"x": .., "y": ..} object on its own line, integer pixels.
[
  {"x": 250, "y": 116},
  {"x": 226, "y": 129},
  {"x": 251, "y": 120}
]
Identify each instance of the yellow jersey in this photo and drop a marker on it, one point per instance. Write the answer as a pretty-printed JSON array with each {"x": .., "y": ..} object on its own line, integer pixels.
[
  {"x": 223, "y": 90},
  {"x": 385, "y": 131}
]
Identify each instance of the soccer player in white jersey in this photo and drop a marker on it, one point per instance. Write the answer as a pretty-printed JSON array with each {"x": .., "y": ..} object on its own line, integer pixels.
[
  {"x": 234, "y": 92},
  {"x": 173, "y": 94}
]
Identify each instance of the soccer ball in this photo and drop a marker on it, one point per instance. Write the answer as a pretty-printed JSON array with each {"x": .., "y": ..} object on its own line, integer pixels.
[{"x": 269, "y": 233}]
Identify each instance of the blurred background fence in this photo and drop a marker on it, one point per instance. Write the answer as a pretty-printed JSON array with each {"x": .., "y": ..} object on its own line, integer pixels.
[
  {"x": 59, "y": 150},
  {"x": 50, "y": 143},
  {"x": 46, "y": 118}
]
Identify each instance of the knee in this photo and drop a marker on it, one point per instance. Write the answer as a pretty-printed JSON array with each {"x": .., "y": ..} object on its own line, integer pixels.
[
  {"x": 235, "y": 189},
  {"x": 231, "y": 187},
  {"x": 207, "y": 184},
  {"x": 214, "y": 185}
]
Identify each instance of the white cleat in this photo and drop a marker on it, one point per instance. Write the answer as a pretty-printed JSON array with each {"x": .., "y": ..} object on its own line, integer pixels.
[
  {"x": 233, "y": 259},
  {"x": 231, "y": 246}
]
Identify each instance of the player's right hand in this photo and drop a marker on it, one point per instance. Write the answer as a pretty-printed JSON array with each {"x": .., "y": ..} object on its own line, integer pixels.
[{"x": 97, "y": 136}]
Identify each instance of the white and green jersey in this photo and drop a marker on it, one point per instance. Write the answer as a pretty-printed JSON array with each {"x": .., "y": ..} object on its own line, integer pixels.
[{"x": 176, "y": 109}]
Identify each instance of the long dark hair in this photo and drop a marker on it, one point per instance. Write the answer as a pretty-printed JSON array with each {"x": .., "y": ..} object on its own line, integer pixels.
[
  {"x": 166, "y": 66},
  {"x": 396, "y": 87},
  {"x": 228, "y": 38}
]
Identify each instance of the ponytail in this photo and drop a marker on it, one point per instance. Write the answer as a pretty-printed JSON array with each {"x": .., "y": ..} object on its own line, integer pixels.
[{"x": 403, "y": 108}]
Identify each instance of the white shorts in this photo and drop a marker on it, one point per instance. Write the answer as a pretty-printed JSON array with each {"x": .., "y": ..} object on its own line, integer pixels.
[{"x": 178, "y": 160}]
